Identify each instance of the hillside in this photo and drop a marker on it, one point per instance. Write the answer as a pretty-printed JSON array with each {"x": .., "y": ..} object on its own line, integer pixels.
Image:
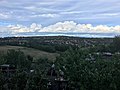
[{"x": 30, "y": 51}]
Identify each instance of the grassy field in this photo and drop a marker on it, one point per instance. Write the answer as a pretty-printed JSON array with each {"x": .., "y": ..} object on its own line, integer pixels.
[{"x": 36, "y": 54}]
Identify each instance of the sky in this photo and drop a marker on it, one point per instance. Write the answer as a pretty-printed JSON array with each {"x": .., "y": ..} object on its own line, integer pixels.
[{"x": 59, "y": 16}]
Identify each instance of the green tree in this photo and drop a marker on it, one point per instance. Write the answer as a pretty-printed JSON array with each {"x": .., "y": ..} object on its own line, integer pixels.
[
  {"x": 116, "y": 44},
  {"x": 18, "y": 59},
  {"x": 85, "y": 74}
]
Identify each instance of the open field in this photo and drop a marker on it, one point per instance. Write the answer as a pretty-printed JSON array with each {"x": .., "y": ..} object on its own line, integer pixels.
[{"x": 30, "y": 51}]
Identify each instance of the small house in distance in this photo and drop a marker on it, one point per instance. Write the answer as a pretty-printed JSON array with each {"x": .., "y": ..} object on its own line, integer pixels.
[
  {"x": 107, "y": 54},
  {"x": 7, "y": 70}
]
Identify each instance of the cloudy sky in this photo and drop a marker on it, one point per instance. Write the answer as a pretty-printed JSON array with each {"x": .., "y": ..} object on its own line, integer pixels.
[{"x": 66, "y": 16}]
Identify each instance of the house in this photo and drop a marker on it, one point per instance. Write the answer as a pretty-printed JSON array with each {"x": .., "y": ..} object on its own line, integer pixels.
[{"x": 7, "y": 70}]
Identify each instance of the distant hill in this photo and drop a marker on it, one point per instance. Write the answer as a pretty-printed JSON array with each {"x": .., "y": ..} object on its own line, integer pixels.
[
  {"x": 53, "y": 40},
  {"x": 36, "y": 54}
]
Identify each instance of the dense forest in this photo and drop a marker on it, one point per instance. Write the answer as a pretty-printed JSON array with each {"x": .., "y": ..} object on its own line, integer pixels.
[{"x": 83, "y": 64}]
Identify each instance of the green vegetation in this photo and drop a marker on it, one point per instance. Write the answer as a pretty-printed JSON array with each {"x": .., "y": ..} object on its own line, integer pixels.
[
  {"x": 83, "y": 74},
  {"x": 36, "y": 54},
  {"x": 54, "y": 43},
  {"x": 116, "y": 44},
  {"x": 96, "y": 67}
]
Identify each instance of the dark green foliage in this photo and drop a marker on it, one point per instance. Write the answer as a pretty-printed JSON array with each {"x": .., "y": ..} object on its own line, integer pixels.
[
  {"x": 116, "y": 44},
  {"x": 83, "y": 68},
  {"x": 90, "y": 75},
  {"x": 23, "y": 78},
  {"x": 2, "y": 60},
  {"x": 18, "y": 59}
]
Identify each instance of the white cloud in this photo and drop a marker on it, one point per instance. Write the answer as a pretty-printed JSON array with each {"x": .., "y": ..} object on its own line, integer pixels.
[
  {"x": 49, "y": 15},
  {"x": 70, "y": 26},
  {"x": 67, "y": 26},
  {"x": 22, "y": 29},
  {"x": 61, "y": 27},
  {"x": 46, "y": 15},
  {"x": 4, "y": 16}
]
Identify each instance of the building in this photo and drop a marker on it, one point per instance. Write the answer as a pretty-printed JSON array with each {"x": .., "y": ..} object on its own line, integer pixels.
[{"x": 7, "y": 70}]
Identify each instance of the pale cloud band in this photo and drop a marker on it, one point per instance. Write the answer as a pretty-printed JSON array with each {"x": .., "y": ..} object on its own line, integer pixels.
[{"x": 60, "y": 27}]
